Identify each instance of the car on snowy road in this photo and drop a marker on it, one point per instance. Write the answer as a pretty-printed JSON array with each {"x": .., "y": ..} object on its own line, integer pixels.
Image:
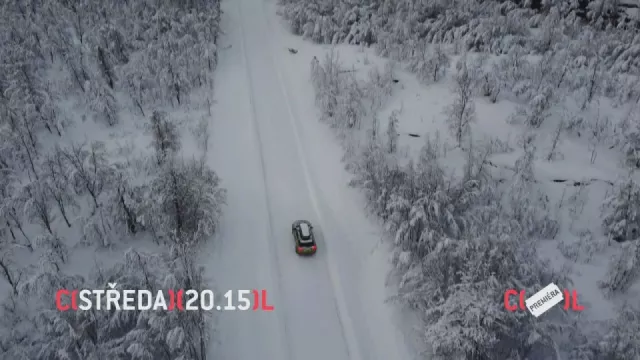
[{"x": 303, "y": 236}]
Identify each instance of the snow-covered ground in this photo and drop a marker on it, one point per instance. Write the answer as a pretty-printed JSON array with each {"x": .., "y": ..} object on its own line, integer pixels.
[{"x": 279, "y": 164}]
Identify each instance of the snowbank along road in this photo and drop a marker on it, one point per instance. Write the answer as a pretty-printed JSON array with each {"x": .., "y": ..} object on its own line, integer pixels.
[{"x": 259, "y": 150}]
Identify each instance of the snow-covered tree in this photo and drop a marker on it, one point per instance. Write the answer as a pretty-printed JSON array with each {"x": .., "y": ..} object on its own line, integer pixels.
[
  {"x": 462, "y": 112},
  {"x": 38, "y": 205},
  {"x": 466, "y": 319},
  {"x": 202, "y": 134},
  {"x": 54, "y": 251},
  {"x": 419, "y": 64},
  {"x": 77, "y": 69},
  {"x": 107, "y": 50},
  {"x": 551, "y": 31},
  {"x": 621, "y": 212},
  {"x": 624, "y": 269},
  {"x": 431, "y": 173},
  {"x": 98, "y": 228},
  {"x": 351, "y": 108},
  {"x": 9, "y": 270},
  {"x": 186, "y": 200},
  {"x": 166, "y": 139},
  {"x": 429, "y": 63},
  {"x": 102, "y": 102},
  {"x": 592, "y": 78},
  {"x": 57, "y": 184},
  {"x": 438, "y": 63},
  {"x": 537, "y": 110},
  {"x": 139, "y": 86},
  {"x": 327, "y": 83},
  {"x": 554, "y": 153},
  {"x": 21, "y": 138},
  {"x": 490, "y": 85},
  {"x": 392, "y": 132},
  {"x": 526, "y": 203},
  {"x": 124, "y": 201},
  {"x": 512, "y": 69},
  {"x": 379, "y": 86},
  {"x": 28, "y": 95},
  {"x": 631, "y": 145},
  {"x": 89, "y": 170},
  {"x": 11, "y": 212},
  {"x": 370, "y": 170},
  {"x": 456, "y": 256}
]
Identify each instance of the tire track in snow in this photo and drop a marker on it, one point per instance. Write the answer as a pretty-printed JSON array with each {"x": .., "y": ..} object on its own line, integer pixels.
[
  {"x": 254, "y": 124},
  {"x": 345, "y": 320}
]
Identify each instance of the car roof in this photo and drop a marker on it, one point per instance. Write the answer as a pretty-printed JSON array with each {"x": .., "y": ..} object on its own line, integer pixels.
[{"x": 305, "y": 229}]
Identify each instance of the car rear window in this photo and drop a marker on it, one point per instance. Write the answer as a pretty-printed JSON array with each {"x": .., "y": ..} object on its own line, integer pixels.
[{"x": 305, "y": 239}]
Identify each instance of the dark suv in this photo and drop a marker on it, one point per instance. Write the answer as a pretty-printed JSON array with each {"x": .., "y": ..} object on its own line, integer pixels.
[{"x": 303, "y": 237}]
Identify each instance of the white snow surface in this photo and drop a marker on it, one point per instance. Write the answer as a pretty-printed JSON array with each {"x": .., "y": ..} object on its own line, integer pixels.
[{"x": 279, "y": 164}]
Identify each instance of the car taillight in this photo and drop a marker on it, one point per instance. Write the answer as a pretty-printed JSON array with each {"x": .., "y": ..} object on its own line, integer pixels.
[
  {"x": 300, "y": 249},
  {"x": 313, "y": 248}
]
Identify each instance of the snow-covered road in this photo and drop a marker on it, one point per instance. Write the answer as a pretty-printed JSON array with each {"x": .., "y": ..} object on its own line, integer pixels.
[{"x": 279, "y": 167}]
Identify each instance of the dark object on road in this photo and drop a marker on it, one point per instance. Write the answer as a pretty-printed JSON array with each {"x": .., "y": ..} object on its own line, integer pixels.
[
  {"x": 395, "y": 80},
  {"x": 293, "y": 51},
  {"x": 414, "y": 135},
  {"x": 303, "y": 237}
]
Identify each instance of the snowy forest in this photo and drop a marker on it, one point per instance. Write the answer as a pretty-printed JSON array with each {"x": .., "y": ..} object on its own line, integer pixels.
[
  {"x": 465, "y": 224},
  {"x": 97, "y": 184}
]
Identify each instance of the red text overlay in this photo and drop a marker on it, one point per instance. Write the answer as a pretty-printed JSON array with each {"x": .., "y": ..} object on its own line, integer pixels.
[{"x": 165, "y": 300}]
